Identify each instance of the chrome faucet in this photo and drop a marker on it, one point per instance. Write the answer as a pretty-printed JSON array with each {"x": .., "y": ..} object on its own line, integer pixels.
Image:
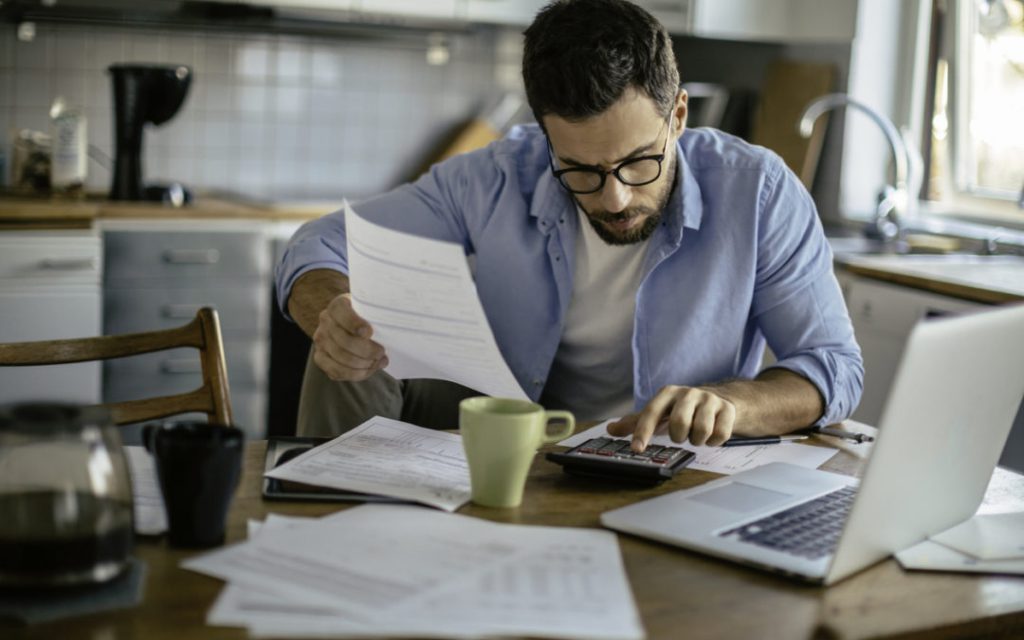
[{"x": 895, "y": 202}]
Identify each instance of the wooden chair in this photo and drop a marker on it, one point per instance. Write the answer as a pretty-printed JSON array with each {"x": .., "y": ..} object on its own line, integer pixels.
[{"x": 202, "y": 333}]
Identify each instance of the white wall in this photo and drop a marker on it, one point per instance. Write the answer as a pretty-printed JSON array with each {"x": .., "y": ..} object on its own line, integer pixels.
[{"x": 267, "y": 115}]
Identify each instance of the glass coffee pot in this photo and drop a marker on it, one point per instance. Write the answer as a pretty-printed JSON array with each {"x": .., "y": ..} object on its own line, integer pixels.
[{"x": 65, "y": 496}]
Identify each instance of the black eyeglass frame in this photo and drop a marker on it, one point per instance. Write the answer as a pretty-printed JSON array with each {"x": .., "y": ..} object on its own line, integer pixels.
[{"x": 614, "y": 171}]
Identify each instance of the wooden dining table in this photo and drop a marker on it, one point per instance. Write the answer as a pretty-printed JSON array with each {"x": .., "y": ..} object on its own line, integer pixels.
[{"x": 680, "y": 594}]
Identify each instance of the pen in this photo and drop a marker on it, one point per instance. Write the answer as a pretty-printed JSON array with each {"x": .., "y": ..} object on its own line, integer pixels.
[
  {"x": 742, "y": 442},
  {"x": 846, "y": 435}
]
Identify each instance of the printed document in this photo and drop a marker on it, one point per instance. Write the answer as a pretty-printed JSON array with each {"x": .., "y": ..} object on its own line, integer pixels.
[
  {"x": 391, "y": 570},
  {"x": 420, "y": 299},
  {"x": 727, "y": 460},
  {"x": 391, "y": 458}
]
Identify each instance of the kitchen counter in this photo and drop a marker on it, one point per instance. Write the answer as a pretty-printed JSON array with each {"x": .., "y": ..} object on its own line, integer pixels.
[
  {"x": 986, "y": 279},
  {"x": 22, "y": 211}
]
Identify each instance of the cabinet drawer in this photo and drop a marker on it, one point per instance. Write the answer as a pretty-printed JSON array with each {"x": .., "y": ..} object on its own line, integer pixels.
[
  {"x": 50, "y": 258},
  {"x": 242, "y": 310},
  {"x": 141, "y": 254}
]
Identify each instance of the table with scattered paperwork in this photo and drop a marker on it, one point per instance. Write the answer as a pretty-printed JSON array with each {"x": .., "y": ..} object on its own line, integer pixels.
[{"x": 679, "y": 593}]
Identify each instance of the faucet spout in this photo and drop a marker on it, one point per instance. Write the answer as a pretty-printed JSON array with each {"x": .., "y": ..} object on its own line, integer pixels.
[{"x": 897, "y": 143}]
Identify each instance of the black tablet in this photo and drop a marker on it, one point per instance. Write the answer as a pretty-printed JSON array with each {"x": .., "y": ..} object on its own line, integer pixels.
[{"x": 281, "y": 449}]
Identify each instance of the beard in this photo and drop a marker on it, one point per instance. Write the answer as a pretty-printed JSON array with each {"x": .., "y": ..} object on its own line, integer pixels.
[{"x": 599, "y": 218}]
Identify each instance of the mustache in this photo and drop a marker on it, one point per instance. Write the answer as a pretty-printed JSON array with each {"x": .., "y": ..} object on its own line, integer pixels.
[{"x": 621, "y": 216}]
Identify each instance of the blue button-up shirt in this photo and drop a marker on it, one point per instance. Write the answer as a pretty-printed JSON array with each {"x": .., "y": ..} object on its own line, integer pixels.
[{"x": 739, "y": 261}]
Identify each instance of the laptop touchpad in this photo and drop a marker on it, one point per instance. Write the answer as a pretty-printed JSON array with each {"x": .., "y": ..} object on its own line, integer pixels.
[{"x": 740, "y": 497}]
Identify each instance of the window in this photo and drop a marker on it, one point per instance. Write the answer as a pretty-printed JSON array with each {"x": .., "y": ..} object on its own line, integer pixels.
[{"x": 976, "y": 147}]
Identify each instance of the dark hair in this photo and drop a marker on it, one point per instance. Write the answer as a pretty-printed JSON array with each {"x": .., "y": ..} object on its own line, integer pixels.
[{"x": 580, "y": 56}]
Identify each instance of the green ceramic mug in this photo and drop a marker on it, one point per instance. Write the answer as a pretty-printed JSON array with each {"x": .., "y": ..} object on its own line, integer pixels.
[{"x": 501, "y": 437}]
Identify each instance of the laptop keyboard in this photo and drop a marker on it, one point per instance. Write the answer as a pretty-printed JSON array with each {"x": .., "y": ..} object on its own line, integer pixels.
[{"x": 810, "y": 530}]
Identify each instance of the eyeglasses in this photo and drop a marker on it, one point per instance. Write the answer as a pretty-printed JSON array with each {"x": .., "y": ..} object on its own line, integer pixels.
[{"x": 634, "y": 172}]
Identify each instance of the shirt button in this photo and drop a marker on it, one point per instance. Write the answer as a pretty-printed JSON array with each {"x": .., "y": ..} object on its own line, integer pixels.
[{"x": 537, "y": 383}]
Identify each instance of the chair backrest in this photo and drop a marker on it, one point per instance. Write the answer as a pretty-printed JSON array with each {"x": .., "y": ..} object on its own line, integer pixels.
[{"x": 202, "y": 333}]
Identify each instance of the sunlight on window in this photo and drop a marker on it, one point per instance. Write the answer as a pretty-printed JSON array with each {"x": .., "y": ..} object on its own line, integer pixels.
[
  {"x": 996, "y": 98},
  {"x": 987, "y": 153}
]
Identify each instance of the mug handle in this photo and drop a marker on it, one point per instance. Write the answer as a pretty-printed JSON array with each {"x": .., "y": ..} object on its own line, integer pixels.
[{"x": 567, "y": 428}]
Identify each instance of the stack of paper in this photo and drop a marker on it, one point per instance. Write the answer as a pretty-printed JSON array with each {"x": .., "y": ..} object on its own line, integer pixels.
[
  {"x": 990, "y": 543},
  {"x": 394, "y": 570},
  {"x": 391, "y": 458}
]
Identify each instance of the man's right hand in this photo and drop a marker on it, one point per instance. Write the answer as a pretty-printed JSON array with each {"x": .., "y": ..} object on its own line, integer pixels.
[{"x": 344, "y": 349}]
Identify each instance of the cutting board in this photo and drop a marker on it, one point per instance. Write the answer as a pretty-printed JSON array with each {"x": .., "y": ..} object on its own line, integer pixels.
[{"x": 788, "y": 87}]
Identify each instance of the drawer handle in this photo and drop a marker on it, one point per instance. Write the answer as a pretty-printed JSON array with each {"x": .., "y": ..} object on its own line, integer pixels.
[
  {"x": 192, "y": 256},
  {"x": 68, "y": 264},
  {"x": 181, "y": 311},
  {"x": 181, "y": 366}
]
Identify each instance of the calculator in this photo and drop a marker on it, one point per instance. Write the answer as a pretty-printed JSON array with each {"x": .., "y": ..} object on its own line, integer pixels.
[{"x": 612, "y": 459}]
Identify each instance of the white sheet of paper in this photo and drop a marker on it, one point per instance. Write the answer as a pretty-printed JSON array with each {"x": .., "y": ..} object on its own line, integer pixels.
[
  {"x": 420, "y": 299},
  {"x": 727, "y": 460},
  {"x": 523, "y": 580},
  {"x": 363, "y": 562},
  {"x": 388, "y": 457},
  {"x": 987, "y": 537},
  {"x": 147, "y": 499},
  {"x": 932, "y": 556}
]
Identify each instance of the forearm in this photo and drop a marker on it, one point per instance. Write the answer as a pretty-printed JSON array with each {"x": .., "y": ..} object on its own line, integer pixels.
[
  {"x": 311, "y": 294},
  {"x": 777, "y": 401}
]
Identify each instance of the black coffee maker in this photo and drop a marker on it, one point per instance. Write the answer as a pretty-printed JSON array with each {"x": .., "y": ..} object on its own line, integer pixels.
[{"x": 142, "y": 94}]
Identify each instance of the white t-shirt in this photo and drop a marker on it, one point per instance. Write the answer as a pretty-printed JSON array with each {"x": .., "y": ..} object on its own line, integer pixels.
[{"x": 592, "y": 375}]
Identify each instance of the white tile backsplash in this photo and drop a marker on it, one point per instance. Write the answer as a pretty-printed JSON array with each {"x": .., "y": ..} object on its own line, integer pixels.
[{"x": 268, "y": 116}]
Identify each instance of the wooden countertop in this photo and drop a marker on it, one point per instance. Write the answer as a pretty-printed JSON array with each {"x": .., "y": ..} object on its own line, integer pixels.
[
  {"x": 986, "y": 279},
  {"x": 59, "y": 211}
]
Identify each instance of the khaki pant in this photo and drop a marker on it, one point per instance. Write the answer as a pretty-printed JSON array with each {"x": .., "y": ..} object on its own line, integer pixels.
[{"x": 328, "y": 408}]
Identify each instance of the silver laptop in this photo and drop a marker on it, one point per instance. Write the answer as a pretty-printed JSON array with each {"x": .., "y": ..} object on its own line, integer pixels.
[{"x": 947, "y": 417}]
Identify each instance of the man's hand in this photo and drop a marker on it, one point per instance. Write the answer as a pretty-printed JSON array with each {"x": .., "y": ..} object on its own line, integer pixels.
[
  {"x": 343, "y": 348},
  {"x": 697, "y": 413},
  {"x": 321, "y": 304},
  {"x": 778, "y": 401}
]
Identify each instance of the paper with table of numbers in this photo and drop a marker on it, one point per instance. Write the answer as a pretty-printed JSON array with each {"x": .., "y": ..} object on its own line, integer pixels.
[
  {"x": 392, "y": 570},
  {"x": 419, "y": 297},
  {"x": 390, "y": 458}
]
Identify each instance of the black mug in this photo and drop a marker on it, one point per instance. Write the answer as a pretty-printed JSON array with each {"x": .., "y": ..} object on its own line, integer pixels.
[{"x": 199, "y": 465}]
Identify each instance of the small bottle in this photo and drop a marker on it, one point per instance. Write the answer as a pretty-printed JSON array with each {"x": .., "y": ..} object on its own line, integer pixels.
[{"x": 69, "y": 146}]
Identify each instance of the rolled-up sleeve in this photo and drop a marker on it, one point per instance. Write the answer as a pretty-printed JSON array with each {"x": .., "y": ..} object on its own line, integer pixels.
[
  {"x": 431, "y": 207},
  {"x": 798, "y": 303}
]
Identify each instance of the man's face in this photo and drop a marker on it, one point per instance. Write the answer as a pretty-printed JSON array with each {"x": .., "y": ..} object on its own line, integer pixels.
[{"x": 630, "y": 128}]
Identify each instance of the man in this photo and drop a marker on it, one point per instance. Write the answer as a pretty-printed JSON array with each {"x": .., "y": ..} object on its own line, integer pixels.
[{"x": 628, "y": 266}]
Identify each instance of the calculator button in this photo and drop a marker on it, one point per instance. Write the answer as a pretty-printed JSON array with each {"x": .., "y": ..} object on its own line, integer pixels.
[
  {"x": 612, "y": 447},
  {"x": 592, "y": 445}
]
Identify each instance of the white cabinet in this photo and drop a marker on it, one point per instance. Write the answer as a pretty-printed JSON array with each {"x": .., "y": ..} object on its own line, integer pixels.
[
  {"x": 883, "y": 315},
  {"x": 508, "y": 12},
  {"x": 158, "y": 274},
  {"x": 50, "y": 288},
  {"x": 439, "y": 9},
  {"x": 790, "y": 21}
]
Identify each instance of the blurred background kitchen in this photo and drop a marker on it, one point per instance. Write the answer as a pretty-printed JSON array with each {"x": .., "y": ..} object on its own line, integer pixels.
[{"x": 292, "y": 105}]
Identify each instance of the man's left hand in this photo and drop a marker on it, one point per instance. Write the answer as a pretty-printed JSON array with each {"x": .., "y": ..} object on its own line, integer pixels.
[{"x": 697, "y": 413}]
